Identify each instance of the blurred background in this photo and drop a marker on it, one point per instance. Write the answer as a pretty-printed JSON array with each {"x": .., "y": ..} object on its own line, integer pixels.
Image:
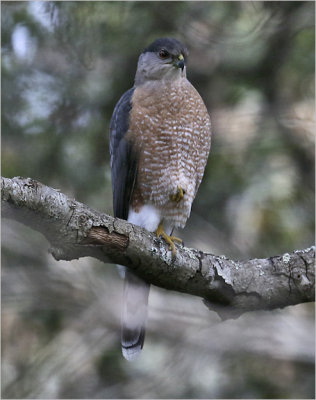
[{"x": 64, "y": 67}]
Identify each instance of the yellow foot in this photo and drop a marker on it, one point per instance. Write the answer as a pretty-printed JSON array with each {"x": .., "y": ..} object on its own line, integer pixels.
[
  {"x": 169, "y": 239},
  {"x": 179, "y": 195}
]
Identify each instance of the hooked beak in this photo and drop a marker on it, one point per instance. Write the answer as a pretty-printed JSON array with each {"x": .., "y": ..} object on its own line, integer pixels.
[{"x": 179, "y": 62}]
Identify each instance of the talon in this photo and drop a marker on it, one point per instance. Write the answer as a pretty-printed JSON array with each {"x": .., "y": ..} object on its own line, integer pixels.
[
  {"x": 179, "y": 195},
  {"x": 175, "y": 239},
  {"x": 169, "y": 239}
]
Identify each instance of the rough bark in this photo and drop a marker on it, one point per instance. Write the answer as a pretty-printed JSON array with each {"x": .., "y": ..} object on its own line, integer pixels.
[{"x": 230, "y": 287}]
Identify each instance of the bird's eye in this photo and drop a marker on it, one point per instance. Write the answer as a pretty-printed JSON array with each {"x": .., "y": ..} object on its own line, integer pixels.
[{"x": 163, "y": 54}]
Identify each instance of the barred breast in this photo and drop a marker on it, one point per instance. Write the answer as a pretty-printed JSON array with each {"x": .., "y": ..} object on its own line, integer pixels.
[{"x": 171, "y": 130}]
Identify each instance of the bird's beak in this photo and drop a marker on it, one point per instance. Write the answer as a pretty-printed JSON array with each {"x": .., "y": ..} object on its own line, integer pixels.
[{"x": 179, "y": 62}]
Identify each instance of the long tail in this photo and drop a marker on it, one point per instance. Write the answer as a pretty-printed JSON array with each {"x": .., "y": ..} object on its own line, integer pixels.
[{"x": 134, "y": 315}]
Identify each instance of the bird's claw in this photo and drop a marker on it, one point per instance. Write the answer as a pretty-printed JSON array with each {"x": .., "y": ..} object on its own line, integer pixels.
[
  {"x": 169, "y": 239},
  {"x": 178, "y": 196}
]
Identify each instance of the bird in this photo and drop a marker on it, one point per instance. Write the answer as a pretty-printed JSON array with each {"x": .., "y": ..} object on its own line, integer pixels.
[{"x": 160, "y": 139}]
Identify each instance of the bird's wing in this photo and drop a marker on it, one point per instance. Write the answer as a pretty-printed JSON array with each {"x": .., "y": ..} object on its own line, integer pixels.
[
  {"x": 123, "y": 156},
  {"x": 124, "y": 162}
]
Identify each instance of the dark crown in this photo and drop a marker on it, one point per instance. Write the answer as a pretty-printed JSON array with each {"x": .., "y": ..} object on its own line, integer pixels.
[{"x": 172, "y": 45}]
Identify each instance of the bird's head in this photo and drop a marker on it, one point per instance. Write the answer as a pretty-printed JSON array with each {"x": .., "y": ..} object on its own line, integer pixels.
[{"x": 165, "y": 59}]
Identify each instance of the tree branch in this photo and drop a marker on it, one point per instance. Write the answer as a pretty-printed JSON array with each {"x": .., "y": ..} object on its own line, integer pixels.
[{"x": 75, "y": 230}]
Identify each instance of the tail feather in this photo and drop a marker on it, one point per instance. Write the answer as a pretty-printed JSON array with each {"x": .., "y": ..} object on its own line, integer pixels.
[{"x": 134, "y": 315}]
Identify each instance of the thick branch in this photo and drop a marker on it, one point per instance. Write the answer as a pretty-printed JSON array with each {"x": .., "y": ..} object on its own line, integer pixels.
[{"x": 75, "y": 230}]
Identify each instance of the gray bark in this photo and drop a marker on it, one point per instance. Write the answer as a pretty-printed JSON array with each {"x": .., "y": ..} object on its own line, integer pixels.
[{"x": 229, "y": 287}]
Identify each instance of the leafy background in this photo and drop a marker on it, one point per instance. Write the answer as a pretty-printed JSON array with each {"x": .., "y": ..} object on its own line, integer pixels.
[{"x": 64, "y": 67}]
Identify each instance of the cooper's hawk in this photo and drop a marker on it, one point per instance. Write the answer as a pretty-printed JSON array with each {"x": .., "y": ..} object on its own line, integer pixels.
[{"x": 160, "y": 138}]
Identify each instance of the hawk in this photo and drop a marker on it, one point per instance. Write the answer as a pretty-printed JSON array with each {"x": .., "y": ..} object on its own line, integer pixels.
[{"x": 160, "y": 137}]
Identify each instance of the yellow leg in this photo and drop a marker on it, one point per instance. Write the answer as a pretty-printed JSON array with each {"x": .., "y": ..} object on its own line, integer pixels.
[
  {"x": 179, "y": 195},
  {"x": 169, "y": 239}
]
